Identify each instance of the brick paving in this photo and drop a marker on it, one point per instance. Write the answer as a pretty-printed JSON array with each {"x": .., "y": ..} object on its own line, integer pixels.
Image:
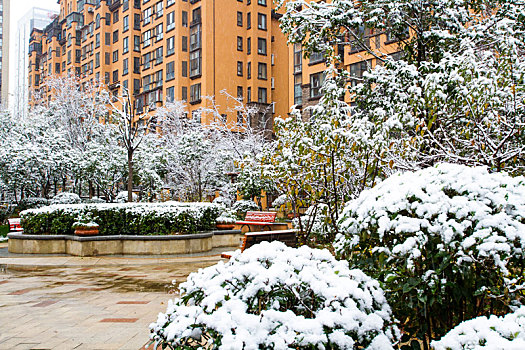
[{"x": 86, "y": 303}]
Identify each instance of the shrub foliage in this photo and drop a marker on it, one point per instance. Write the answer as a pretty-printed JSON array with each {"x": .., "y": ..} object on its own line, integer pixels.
[
  {"x": 445, "y": 242},
  {"x": 275, "y": 297},
  {"x": 124, "y": 219}
]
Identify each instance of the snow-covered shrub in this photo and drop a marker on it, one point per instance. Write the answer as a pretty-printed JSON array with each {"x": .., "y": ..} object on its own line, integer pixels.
[
  {"x": 507, "y": 332},
  {"x": 65, "y": 198},
  {"x": 280, "y": 201},
  {"x": 227, "y": 217},
  {"x": 93, "y": 200},
  {"x": 126, "y": 218},
  {"x": 275, "y": 297},
  {"x": 223, "y": 200},
  {"x": 447, "y": 242},
  {"x": 243, "y": 206},
  {"x": 85, "y": 219},
  {"x": 122, "y": 197},
  {"x": 32, "y": 203}
]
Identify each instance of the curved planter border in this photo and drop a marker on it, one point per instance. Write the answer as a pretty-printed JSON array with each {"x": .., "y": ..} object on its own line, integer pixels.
[{"x": 20, "y": 243}]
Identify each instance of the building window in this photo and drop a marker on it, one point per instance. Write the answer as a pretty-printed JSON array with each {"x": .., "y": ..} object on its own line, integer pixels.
[
  {"x": 249, "y": 94},
  {"x": 147, "y": 15},
  {"x": 184, "y": 43},
  {"x": 147, "y": 60},
  {"x": 125, "y": 45},
  {"x": 316, "y": 57},
  {"x": 170, "y": 46},
  {"x": 184, "y": 93},
  {"x": 261, "y": 71},
  {"x": 261, "y": 21},
  {"x": 195, "y": 93},
  {"x": 115, "y": 76},
  {"x": 297, "y": 58},
  {"x": 106, "y": 58},
  {"x": 249, "y": 20},
  {"x": 249, "y": 70},
  {"x": 261, "y": 2},
  {"x": 169, "y": 2},
  {"x": 115, "y": 56},
  {"x": 261, "y": 46},
  {"x": 170, "y": 94},
  {"x": 196, "y": 16},
  {"x": 136, "y": 43},
  {"x": 136, "y": 21},
  {"x": 97, "y": 40},
  {"x": 125, "y": 66},
  {"x": 126, "y": 24},
  {"x": 195, "y": 37},
  {"x": 239, "y": 43},
  {"x": 170, "y": 21},
  {"x": 185, "y": 69},
  {"x": 158, "y": 32},
  {"x": 136, "y": 87},
  {"x": 263, "y": 97},
  {"x": 249, "y": 46},
  {"x": 239, "y": 68},
  {"x": 97, "y": 60},
  {"x": 184, "y": 18},
  {"x": 239, "y": 18},
  {"x": 159, "y": 9},
  {"x": 146, "y": 41},
  {"x": 170, "y": 71},
  {"x": 97, "y": 21},
  {"x": 136, "y": 65},
  {"x": 195, "y": 63},
  {"x": 159, "y": 55},
  {"x": 239, "y": 93},
  {"x": 108, "y": 19},
  {"x": 115, "y": 17},
  {"x": 298, "y": 90},
  {"x": 356, "y": 72},
  {"x": 316, "y": 82}
]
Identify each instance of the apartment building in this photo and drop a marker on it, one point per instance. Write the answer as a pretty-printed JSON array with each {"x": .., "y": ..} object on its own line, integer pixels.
[
  {"x": 4, "y": 51},
  {"x": 171, "y": 50}
]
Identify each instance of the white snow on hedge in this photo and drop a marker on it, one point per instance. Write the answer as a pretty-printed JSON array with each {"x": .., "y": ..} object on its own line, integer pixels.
[
  {"x": 476, "y": 214},
  {"x": 273, "y": 296},
  {"x": 196, "y": 209},
  {"x": 494, "y": 333}
]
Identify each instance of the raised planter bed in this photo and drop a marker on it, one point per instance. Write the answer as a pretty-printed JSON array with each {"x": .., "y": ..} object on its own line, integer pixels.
[{"x": 122, "y": 244}]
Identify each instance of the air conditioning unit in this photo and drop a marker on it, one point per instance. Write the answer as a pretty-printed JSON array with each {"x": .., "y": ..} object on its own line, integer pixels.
[
  {"x": 91, "y": 10},
  {"x": 273, "y": 59},
  {"x": 273, "y": 83}
]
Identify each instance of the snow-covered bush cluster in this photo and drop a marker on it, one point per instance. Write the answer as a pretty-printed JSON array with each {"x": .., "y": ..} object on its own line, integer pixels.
[
  {"x": 126, "y": 218},
  {"x": 447, "y": 242},
  {"x": 227, "y": 217},
  {"x": 507, "y": 332},
  {"x": 275, "y": 297},
  {"x": 122, "y": 197},
  {"x": 65, "y": 198},
  {"x": 315, "y": 221},
  {"x": 243, "y": 206}
]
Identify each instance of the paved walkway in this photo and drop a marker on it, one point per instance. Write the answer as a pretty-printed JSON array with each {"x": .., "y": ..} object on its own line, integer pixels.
[{"x": 64, "y": 302}]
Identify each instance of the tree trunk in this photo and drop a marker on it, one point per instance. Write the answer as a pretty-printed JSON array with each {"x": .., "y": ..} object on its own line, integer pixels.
[{"x": 130, "y": 176}]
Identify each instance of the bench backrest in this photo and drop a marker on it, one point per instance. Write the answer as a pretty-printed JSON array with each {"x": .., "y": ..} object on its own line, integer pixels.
[
  {"x": 260, "y": 216},
  {"x": 14, "y": 225},
  {"x": 288, "y": 237}
]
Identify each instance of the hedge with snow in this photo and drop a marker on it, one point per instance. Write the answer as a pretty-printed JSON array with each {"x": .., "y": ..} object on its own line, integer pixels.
[
  {"x": 124, "y": 219},
  {"x": 506, "y": 332},
  {"x": 447, "y": 242},
  {"x": 275, "y": 297}
]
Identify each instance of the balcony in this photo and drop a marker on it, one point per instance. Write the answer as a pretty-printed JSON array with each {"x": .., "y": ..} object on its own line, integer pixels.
[{"x": 115, "y": 4}]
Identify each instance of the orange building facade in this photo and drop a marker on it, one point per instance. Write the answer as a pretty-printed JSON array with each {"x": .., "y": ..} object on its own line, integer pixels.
[{"x": 169, "y": 50}]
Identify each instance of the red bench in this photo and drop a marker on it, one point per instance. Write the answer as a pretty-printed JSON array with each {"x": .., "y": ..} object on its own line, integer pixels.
[
  {"x": 288, "y": 237},
  {"x": 263, "y": 219},
  {"x": 14, "y": 225}
]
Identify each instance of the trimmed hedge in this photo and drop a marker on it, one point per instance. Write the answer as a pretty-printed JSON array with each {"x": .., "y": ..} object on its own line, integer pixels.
[{"x": 124, "y": 219}]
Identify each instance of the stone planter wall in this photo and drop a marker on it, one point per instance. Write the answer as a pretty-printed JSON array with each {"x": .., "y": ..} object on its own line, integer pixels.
[{"x": 118, "y": 245}]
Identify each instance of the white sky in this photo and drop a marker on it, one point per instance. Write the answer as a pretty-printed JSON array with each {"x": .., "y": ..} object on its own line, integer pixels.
[{"x": 18, "y": 9}]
